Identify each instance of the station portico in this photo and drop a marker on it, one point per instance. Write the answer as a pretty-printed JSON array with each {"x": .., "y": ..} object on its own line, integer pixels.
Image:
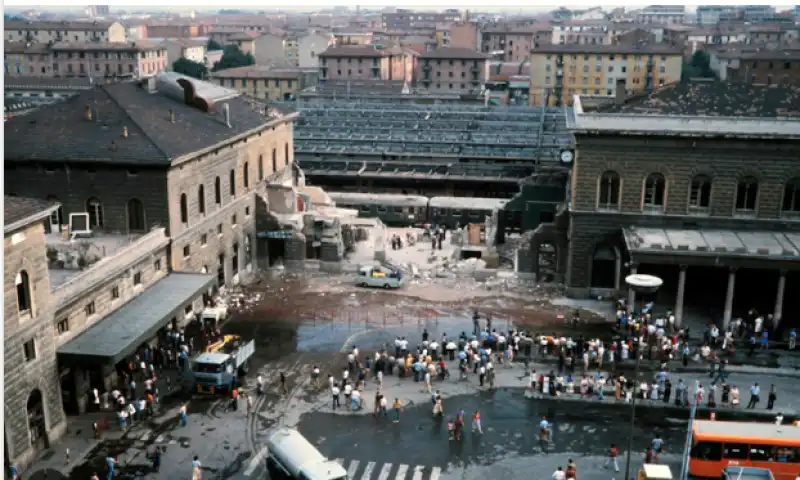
[{"x": 731, "y": 250}]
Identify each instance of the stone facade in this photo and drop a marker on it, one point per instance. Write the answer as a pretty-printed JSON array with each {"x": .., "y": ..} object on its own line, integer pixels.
[
  {"x": 681, "y": 162},
  {"x": 213, "y": 233},
  {"x": 27, "y": 376}
]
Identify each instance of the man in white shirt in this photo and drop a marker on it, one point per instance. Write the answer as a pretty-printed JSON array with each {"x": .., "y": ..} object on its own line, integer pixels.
[
  {"x": 335, "y": 394},
  {"x": 559, "y": 474},
  {"x": 481, "y": 375}
]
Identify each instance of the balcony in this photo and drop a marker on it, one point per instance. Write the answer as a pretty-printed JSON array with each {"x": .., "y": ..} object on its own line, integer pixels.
[
  {"x": 559, "y": 72},
  {"x": 475, "y": 69},
  {"x": 427, "y": 67},
  {"x": 560, "y": 61}
]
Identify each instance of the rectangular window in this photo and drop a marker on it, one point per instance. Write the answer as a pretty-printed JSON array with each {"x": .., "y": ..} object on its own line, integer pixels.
[
  {"x": 186, "y": 251},
  {"x": 29, "y": 349},
  {"x": 157, "y": 265},
  {"x": 219, "y": 229},
  {"x": 736, "y": 451},
  {"x": 188, "y": 310},
  {"x": 203, "y": 239},
  {"x": 114, "y": 293},
  {"x": 89, "y": 309},
  {"x": 246, "y": 211},
  {"x": 62, "y": 326},
  {"x": 233, "y": 220},
  {"x": 137, "y": 278}
]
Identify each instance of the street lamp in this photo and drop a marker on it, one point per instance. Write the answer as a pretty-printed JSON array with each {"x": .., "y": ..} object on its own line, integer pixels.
[{"x": 638, "y": 283}]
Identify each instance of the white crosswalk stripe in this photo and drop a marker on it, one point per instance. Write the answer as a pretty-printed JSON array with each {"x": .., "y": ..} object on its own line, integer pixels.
[
  {"x": 368, "y": 471},
  {"x": 417, "y": 473},
  {"x": 385, "y": 471},
  {"x": 351, "y": 470},
  {"x": 435, "y": 472},
  {"x": 146, "y": 436},
  {"x": 363, "y": 470},
  {"x": 401, "y": 472}
]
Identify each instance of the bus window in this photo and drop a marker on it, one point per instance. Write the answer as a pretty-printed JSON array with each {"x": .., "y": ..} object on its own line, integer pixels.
[
  {"x": 365, "y": 208},
  {"x": 381, "y": 209},
  {"x": 456, "y": 212},
  {"x": 760, "y": 453},
  {"x": 736, "y": 451},
  {"x": 707, "y": 451}
]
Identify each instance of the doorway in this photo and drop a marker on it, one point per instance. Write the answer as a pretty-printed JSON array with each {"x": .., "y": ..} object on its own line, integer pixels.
[
  {"x": 221, "y": 270},
  {"x": 36, "y": 422},
  {"x": 276, "y": 250},
  {"x": 604, "y": 267}
]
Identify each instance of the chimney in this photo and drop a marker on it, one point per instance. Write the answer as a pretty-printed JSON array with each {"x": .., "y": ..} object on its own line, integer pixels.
[
  {"x": 226, "y": 109},
  {"x": 171, "y": 116},
  {"x": 124, "y": 132},
  {"x": 89, "y": 112}
]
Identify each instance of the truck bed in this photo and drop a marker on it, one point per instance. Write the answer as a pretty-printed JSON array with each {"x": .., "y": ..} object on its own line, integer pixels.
[{"x": 244, "y": 352}]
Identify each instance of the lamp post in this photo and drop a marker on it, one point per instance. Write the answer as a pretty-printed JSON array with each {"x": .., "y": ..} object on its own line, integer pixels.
[{"x": 638, "y": 283}]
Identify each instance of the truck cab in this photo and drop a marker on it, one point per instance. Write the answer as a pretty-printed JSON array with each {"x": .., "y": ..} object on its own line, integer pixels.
[{"x": 217, "y": 369}]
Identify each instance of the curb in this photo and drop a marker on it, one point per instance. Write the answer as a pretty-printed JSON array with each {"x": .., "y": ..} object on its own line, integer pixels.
[
  {"x": 722, "y": 412},
  {"x": 630, "y": 366}
]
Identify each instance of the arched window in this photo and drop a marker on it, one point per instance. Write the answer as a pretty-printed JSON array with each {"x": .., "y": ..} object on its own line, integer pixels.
[
  {"x": 260, "y": 167},
  {"x": 136, "y": 222},
  {"x": 201, "y": 200},
  {"x": 246, "y": 174},
  {"x": 700, "y": 194},
  {"x": 184, "y": 209},
  {"x": 790, "y": 206},
  {"x": 24, "y": 304},
  {"x": 654, "y": 194},
  {"x": 286, "y": 153},
  {"x": 608, "y": 193},
  {"x": 274, "y": 160},
  {"x": 217, "y": 191},
  {"x": 95, "y": 210},
  {"x": 232, "y": 181},
  {"x": 747, "y": 196}
]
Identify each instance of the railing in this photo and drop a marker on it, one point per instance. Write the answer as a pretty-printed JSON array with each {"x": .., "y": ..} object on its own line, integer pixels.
[{"x": 110, "y": 266}]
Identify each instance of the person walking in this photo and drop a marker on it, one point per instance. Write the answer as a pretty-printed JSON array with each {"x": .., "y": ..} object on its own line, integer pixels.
[
  {"x": 397, "y": 407},
  {"x": 755, "y": 392},
  {"x": 335, "y": 393},
  {"x": 284, "y": 390},
  {"x": 110, "y": 462},
  {"x": 612, "y": 458},
  {"x": 476, "y": 422},
  {"x": 184, "y": 415},
  {"x": 771, "y": 397}
]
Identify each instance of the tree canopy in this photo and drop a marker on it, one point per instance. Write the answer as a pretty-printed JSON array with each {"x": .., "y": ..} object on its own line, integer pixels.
[
  {"x": 213, "y": 45},
  {"x": 699, "y": 66},
  {"x": 233, "y": 57},
  {"x": 190, "y": 68}
]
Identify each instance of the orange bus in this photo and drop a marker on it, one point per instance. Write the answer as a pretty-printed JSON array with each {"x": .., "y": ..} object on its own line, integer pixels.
[{"x": 716, "y": 445}]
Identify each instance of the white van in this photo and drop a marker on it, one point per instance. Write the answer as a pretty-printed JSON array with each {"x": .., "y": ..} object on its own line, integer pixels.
[
  {"x": 380, "y": 276},
  {"x": 291, "y": 454}
]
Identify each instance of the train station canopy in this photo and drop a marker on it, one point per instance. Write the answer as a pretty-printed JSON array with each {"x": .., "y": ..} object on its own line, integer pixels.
[
  {"x": 720, "y": 247},
  {"x": 119, "y": 334}
]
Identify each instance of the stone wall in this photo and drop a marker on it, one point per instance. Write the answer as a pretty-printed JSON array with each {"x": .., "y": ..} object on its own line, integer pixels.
[{"x": 22, "y": 377}]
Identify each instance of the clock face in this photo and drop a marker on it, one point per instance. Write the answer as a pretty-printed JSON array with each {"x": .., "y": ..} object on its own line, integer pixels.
[{"x": 566, "y": 156}]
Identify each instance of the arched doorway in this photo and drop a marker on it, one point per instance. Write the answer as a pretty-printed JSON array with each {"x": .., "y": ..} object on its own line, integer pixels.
[
  {"x": 546, "y": 262},
  {"x": 36, "y": 421},
  {"x": 605, "y": 267}
]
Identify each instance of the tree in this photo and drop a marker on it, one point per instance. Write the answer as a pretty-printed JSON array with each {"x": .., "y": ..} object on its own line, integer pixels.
[
  {"x": 213, "y": 45},
  {"x": 699, "y": 66},
  {"x": 190, "y": 68},
  {"x": 233, "y": 57}
]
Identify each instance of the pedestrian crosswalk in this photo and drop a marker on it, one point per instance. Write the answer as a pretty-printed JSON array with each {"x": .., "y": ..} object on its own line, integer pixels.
[{"x": 360, "y": 470}]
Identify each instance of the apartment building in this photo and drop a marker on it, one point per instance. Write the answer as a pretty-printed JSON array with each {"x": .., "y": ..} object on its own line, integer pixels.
[
  {"x": 408, "y": 19},
  {"x": 171, "y": 29},
  {"x": 465, "y": 35},
  {"x": 352, "y": 38},
  {"x": 188, "y": 48},
  {"x": 367, "y": 62},
  {"x": 662, "y": 14},
  {"x": 261, "y": 81},
  {"x": 245, "y": 41},
  {"x": 585, "y": 32},
  {"x": 776, "y": 65},
  {"x": 453, "y": 70},
  {"x": 558, "y": 72},
  {"x": 64, "y": 31},
  {"x": 223, "y": 35},
  {"x": 511, "y": 43},
  {"x": 308, "y": 49},
  {"x": 67, "y": 59},
  {"x": 708, "y": 15}
]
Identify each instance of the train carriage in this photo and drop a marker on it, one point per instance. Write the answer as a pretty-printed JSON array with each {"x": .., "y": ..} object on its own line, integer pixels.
[
  {"x": 455, "y": 212},
  {"x": 392, "y": 209}
]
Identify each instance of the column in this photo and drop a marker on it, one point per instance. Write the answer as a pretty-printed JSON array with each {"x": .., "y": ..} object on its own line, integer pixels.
[
  {"x": 679, "y": 299},
  {"x": 242, "y": 256},
  {"x": 227, "y": 267},
  {"x": 726, "y": 320},
  {"x": 617, "y": 271},
  {"x": 631, "y": 293},
  {"x": 253, "y": 252},
  {"x": 778, "y": 313}
]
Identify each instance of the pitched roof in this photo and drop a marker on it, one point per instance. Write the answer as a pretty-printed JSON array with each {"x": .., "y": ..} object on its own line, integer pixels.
[
  {"x": 18, "y": 209},
  {"x": 67, "y": 83},
  {"x": 448, "y": 53},
  {"x": 364, "y": 51},
  {"x": 623, "y": 49},
  {"x": 258, "y": 71},
  {"x": 717, "y": 99},
  {"x": 106, "y": 46},
  {"x": 60, "y": 131}
]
